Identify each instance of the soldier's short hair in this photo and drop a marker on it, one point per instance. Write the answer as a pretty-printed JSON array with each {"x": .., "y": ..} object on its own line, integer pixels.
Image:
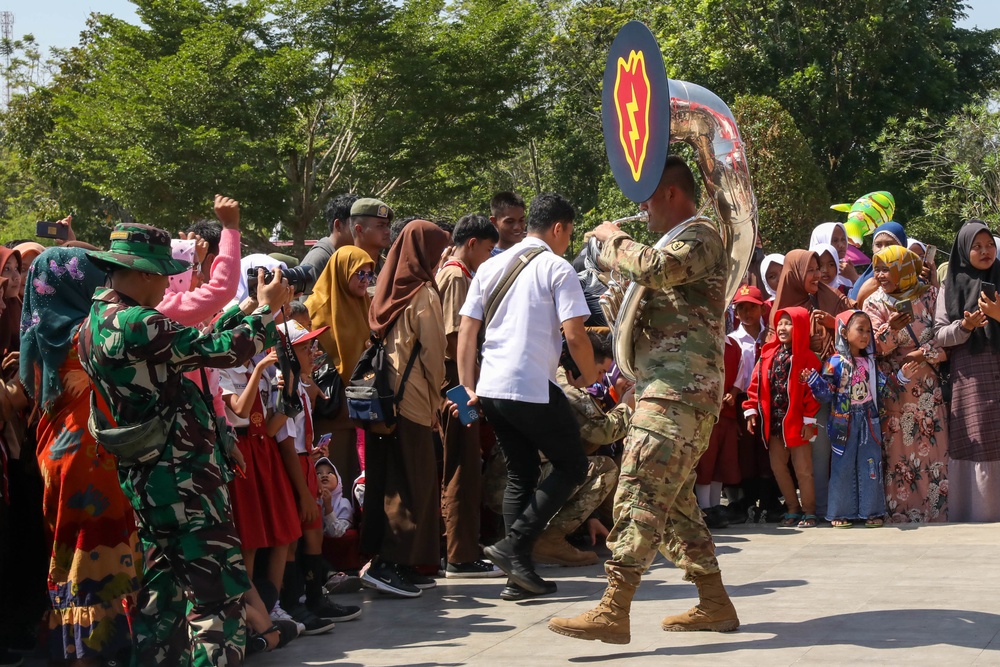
[{"x": 677, "y": 173}]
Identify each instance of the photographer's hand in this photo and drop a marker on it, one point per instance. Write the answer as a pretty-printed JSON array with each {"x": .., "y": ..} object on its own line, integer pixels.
[{"x": 274, "y": 293}]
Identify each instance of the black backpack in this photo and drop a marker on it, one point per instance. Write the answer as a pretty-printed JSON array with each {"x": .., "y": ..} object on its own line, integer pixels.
[{"x": 372, "y": 402}]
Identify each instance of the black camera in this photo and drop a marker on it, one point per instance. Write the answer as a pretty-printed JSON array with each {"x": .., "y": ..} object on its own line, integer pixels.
[{"x": 301, "y": 278}]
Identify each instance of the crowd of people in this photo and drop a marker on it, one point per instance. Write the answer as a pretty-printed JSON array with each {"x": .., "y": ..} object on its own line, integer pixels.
[{"x": 185, "y": 479}]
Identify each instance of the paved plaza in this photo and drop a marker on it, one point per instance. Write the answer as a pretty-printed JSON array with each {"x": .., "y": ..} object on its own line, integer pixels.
[{"x": 926, "y": 595}]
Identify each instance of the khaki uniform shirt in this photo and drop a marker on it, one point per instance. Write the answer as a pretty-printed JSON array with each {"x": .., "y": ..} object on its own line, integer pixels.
[{"x": 421, "y": 320}]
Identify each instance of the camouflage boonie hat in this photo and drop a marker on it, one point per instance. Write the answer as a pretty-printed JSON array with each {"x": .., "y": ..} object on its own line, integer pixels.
[
  {"x": 376, "y": 208},
  {"x": 141, "y": 248}
]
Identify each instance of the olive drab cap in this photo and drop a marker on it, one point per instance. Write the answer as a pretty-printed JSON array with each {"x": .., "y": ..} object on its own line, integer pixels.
[
  {"x": 375, "y": 208},
  {"x": 141, "y": 248}
]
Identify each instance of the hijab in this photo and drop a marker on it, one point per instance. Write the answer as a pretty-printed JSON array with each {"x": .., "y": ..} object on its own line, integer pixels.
[
  {"x": 824, "y": 234},
  {"x": 765, "y": 264},
  {"x": 964, "y": 284},
  {"x": 409, "y": 266},
  {"x": 60, "y": 287},
  {"x": 904, "y": 267},
  {"x": 893, "y": 229},
  {"x": 10, "y": 320},
  {"x": 792, "y": 289},
  {"x": 825, "y": 248},
  {"x": 254, "y": 261},
  {"x": 332, "y": 304},
  {"x": 184, "y": 251},
  {"x": 913, "y": 242}
]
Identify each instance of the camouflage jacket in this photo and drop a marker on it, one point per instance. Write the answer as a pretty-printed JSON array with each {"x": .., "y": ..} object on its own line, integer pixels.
[
  {"x": 597, "y": 427},
  {"x": 137, "y": 358},
  {"x": 681, "y": 331}
]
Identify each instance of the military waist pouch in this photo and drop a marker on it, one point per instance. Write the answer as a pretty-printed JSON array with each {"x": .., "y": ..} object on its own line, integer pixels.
[{"x": 139, "y": 444}]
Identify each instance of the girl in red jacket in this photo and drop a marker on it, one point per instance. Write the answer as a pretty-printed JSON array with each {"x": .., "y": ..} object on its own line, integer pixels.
[{"x": 785, "y": 409}]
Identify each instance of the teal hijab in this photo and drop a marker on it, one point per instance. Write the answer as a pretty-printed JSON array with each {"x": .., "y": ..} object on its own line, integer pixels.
[{"x": 57, "y": 298}]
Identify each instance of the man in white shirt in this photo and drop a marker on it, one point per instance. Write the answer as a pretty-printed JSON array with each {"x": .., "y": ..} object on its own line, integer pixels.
[{"x": 517, "y": 383}]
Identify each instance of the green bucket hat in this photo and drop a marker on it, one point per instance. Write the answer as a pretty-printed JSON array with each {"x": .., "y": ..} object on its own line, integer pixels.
[{"x": 141, "y": 248}]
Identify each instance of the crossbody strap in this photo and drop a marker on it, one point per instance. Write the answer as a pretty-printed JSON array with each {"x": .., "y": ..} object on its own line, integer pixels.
[
  {"x": 506, "y": 282},
  {"x": 406, "y": 372}
]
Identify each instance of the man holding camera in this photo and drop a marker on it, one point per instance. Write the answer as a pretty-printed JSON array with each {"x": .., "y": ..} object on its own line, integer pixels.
[{"x": 190, "y": 608}]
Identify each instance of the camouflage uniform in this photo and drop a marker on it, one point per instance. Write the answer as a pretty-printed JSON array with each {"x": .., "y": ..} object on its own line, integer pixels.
[
  {"x": 190, "y": 609},
  {"x": 597, "y": 428},
  {"x": 679, "y": 364}
]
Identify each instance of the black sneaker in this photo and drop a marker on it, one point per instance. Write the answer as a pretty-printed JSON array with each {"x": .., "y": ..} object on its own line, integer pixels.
[
  {"x": 477, "y": 569},
  {"x": 287, "y": 631},
  {"x": 421, "y": 581},
  {"x": 335, "y": 612},
  {"x": 512, "y": 592},
  {"x": 314, "y": 624},
  {"x": 385, "y": 578}
]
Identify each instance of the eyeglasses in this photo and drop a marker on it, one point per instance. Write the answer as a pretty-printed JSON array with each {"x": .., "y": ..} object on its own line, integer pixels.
[{"x": 365, "y": 275}]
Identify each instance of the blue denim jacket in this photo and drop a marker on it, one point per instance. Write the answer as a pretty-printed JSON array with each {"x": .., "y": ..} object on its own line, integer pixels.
[{"x": 834, "y": 387}]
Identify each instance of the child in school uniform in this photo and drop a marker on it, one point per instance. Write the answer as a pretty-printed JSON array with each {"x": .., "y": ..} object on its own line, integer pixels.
[
  {"x": 857, "y": 390},
  {"x": 781, "y": 405},
  {"x": 295, "y": 442}
]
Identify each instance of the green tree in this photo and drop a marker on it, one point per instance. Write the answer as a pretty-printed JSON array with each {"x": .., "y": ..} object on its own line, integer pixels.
[
  {"x": 841, "y": 69},
  {"x": 955, "y": 166}
]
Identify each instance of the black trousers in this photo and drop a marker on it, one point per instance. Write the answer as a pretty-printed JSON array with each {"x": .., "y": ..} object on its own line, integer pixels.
[{"x": 524, "y": 430}]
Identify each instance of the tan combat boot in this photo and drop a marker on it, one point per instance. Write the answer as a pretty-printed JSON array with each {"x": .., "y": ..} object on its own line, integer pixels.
[
  {"x": 608, "y": 621},
  {"x": 714, "y": 611},
  {"x": 551, "y": 548}
]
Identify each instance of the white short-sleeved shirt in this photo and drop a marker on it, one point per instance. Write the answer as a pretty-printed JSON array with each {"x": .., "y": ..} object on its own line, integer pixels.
[
  {"x": 523, "y": 342},
  {"x": 296, "y": 427},
  {"x": 748, "y": 347},
  {"x": 234, "y": 381}
]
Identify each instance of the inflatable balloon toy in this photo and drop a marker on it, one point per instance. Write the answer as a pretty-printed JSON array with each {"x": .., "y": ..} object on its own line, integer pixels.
[{"x": 867, "y": 213}]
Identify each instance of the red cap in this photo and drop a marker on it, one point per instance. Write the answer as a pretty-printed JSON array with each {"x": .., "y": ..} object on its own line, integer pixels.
[
  {"x": 749, "y": 294},
  {"x": 298, "y": 333}
]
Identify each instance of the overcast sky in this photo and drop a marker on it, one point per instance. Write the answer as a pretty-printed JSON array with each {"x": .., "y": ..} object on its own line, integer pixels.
[{"x": 59, "y": 22}]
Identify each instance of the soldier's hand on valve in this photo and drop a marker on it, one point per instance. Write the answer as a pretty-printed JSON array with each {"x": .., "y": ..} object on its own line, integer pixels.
[{"x": 603, "y": 232}]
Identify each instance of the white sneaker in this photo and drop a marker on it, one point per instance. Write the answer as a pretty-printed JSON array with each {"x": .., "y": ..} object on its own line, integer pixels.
[{"x": 279, "y": 614}]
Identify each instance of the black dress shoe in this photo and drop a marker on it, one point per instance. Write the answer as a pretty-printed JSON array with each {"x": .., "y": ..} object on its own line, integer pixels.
[
  {"x": 517, "y": 567},
  {"x": 512, "y": 592}
]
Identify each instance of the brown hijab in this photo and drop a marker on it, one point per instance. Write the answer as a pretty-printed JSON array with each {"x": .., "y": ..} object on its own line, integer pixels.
[
  {"x": 792, "y": 288},
  {"x": 409, "y": 265},
  {"x": 10, "y": 320}
]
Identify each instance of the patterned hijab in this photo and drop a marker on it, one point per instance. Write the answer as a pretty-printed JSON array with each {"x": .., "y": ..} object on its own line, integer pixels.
[
  {"x": 57, "y": 298},
  {"x": 904, "y": 267},
  {"x": 892, "y": 229}
]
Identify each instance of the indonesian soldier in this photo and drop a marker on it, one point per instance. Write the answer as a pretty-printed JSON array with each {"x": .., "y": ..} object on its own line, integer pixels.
[
  {"x": 190, "y": 608},
  {"x": 678, "y": 357}
]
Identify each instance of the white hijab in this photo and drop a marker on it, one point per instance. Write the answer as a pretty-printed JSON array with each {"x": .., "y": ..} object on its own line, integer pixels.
[
  {"x": 913, "y": 242},
  {"x": 824, "y": 233},
  {"x": 826, "y": 248},
  {"x": 765, "y": 264},
  {"x": 253, "y": 262}
]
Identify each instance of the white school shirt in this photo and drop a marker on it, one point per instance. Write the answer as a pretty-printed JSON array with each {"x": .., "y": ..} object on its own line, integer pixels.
[
  {"x": 523, "y": 342},
  {"x": 296, "y": 428},
  {"x": 748, "y": 346}
]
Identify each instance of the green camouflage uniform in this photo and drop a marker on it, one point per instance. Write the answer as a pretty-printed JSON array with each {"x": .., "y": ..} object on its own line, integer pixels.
[
  {"x": 678, "y": 359},
  {"x": 597, "y": 428},
  {"x": 190, "y": 609}
]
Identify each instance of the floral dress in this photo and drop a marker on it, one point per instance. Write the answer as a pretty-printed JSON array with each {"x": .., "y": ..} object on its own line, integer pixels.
[{"x": 915, "y": 429}]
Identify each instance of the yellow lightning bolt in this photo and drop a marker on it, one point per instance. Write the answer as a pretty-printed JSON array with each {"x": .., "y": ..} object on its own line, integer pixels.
[{"x": 632, "y": 106}]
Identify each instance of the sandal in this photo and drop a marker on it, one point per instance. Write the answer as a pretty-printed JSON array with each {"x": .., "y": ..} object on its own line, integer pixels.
[
  {"x": 808, "y": 521},
  {"x": 875, "y": 522},
  {"x": 790, "y": 520},
  {"x": 841, "y": 523}
]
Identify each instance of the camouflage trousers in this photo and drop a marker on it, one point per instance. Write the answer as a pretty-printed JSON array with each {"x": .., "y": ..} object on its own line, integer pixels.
[
  {"x": 602, "y": 473},
  {"x": 190, "y": 609},
  {"x": 655, "y": 505}
]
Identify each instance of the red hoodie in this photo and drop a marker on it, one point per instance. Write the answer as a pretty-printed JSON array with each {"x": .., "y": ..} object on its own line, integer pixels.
[{"x": 802, "y": 406}]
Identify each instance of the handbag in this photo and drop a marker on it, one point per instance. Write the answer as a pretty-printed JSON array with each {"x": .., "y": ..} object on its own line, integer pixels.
[
  {"x": 371, "y": 401},
  {"x": 330, "y": 386}
]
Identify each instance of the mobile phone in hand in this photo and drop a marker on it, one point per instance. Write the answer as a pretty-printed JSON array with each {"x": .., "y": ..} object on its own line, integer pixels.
[
  {"x": 929, "y": 255},
  {"x": 324, "y": 440},
  {"x": 990, "y": 290},
  {"x": 51, "y": 230},
  {"x": 460, "y": 397},
  {"x": 904, "y": 307}
]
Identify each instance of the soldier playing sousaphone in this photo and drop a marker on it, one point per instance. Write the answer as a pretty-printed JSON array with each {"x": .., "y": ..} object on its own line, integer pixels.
[{"x": 678, "y": 347}]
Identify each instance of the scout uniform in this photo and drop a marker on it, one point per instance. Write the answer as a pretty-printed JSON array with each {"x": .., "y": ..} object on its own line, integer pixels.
[
  {"x": 679, "y": 366},
  {"x": 190, "y": 609}
]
